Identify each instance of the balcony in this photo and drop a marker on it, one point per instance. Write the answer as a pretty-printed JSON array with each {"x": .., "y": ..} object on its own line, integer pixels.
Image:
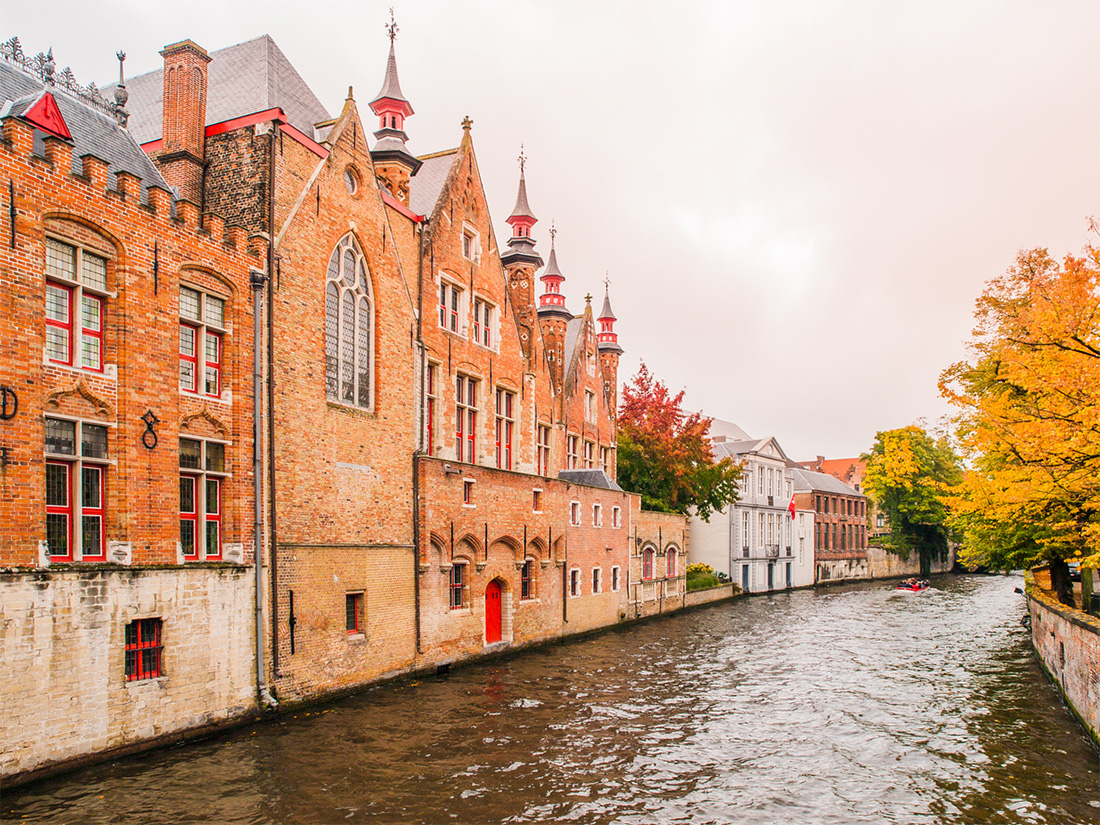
[{"x": 771, "y": 551}]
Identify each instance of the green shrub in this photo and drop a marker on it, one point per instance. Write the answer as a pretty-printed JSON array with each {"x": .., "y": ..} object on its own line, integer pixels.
[{"x": 701, "y": 576}]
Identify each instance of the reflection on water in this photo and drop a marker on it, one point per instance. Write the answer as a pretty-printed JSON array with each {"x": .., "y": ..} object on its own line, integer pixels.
[{"x": 847, "y": 705}]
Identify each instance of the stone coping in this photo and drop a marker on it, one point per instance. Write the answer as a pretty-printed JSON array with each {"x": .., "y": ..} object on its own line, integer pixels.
[{"x": 1070, "y": 614}]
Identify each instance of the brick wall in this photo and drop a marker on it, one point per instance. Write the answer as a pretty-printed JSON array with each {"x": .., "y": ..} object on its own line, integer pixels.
[
  {"x": 1067, "y": 642},
  {"x": 663, "y": 533}
]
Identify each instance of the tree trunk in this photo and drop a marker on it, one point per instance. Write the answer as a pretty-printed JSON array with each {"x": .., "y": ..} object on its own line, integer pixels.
[{"x": 1060, "y": 582}]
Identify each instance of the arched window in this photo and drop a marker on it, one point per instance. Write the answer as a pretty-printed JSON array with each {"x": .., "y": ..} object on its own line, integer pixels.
[
  {"x": 670, "y": 563},
  {"x": 349, "y": 314},
  {"x": 647, "y": 563}
]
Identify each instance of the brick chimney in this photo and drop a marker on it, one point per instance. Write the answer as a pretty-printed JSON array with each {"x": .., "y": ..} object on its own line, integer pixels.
[{"x": 183, "y": 135}]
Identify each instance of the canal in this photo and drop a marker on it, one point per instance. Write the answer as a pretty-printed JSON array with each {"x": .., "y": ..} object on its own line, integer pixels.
[{"x": 843, "y": 705}]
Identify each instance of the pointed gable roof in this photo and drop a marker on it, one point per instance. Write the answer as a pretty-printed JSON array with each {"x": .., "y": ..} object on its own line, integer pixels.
[
  {"x": 249, "y": 77},
  {"x": 44, "y": 114},
  {"x": 426, "y": 186}
]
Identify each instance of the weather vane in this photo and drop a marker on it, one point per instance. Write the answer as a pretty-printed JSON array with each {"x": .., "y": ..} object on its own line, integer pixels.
[
  {"x": 392, "y": 27},
  {"x": 553, "y": 232},
  {"x": 522, "y": 159},
  {"x": 606, "y": 281}
]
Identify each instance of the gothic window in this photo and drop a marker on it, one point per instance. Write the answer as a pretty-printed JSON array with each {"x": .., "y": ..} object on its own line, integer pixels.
[{"x": 349, "y": 314}]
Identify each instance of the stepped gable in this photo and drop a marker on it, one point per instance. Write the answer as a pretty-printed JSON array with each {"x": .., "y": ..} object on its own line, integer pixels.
[
  {"x": 93, "y": 132},
  {"x": 249, "y": 77}
]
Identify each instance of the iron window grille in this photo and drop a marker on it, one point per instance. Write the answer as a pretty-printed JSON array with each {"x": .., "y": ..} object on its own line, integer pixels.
[{"x": 144, "y": 650}]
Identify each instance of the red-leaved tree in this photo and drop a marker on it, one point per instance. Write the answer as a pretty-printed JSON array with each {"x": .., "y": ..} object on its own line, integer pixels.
[{"x": 665, "y": 456}]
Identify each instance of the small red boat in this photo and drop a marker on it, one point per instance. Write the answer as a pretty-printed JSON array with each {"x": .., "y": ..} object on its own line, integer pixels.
[{"x": 912, "y": 585}]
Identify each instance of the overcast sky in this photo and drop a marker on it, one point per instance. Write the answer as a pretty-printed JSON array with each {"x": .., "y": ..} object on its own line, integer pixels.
[{"x": 797, "y": 202}]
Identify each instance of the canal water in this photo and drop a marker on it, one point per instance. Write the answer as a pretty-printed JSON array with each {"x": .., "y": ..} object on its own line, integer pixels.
[{"x": 844, "y": 705}]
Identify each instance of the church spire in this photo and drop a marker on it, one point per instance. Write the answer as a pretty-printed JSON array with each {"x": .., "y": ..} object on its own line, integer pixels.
[
  {"x": 393, "y": 161},
  {"x": 520, "y": 246}
]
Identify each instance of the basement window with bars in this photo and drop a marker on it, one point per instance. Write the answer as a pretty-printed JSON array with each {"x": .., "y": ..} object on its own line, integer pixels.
[
  {"x": 349, "y": 326},
  {"x": 143, "y": 650},
  {"x": 76, "y": 300}
]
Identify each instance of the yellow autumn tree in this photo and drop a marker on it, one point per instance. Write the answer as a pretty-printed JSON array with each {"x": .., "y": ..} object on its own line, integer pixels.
[{"x": 1029, "y": 418}]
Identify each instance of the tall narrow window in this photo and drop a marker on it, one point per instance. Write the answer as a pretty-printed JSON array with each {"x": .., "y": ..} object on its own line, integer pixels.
[
  {"x": 202, "y": 474},
  {"x": 647, "y": 563},
  {"x": 76, "y": 291},
  {"x": 670, "y": 563},
  {"x": 605, "y": 460},
  {"x": 615, "y": 578},
  {"x": 349, "y": 315},
  {"x": 505, "y": 424},
  {"x": 597, "y": 579},
  {"x": 589, "y": 455},
  {"x": 572, "y": 444},
  {"x": 465, "y": 419},
  {"x": 590, "y": 407},
  {"x": 543, "y": 450},
  {"x": 574, "y": 582},
  {"x": 450, "y": 299},
  {"x": 429, "y": 412},
  {"x": 202, "y": 332},
  {"x": 457, "y": 585},
  {"x": 353, "y": 613},
  {"x": 527, "y": 580},
  {"x": 483, "y": 322},
  {"x": 76, "y": 490}
]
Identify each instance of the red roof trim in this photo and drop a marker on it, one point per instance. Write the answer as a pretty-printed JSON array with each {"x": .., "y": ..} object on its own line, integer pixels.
[
  {"x": 390, "y": 200},
  {"x": 46, "y": 116},
  {"x": 275, "y": 114}
]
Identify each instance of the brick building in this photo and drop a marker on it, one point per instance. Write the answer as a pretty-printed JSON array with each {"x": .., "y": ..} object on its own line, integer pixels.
[
  {"x": 126, "y": 436},
  {"x": 851, "y": 472},
  {"x": 436, "y": 440},
  {"x": 840, "y": 524}
]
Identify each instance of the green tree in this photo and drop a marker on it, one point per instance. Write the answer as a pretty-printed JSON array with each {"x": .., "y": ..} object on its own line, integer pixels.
[
  {"x": 909, "y": 474},
  {"x": 664, "y": 455}
]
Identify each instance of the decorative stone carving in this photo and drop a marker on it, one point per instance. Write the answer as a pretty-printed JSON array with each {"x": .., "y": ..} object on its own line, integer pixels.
[
  {"x": 82, "y": 391},
  {"x": 204, "y": 414}
]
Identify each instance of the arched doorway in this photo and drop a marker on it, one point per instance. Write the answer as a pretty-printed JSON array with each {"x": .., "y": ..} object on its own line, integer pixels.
[{"x": 493, "y": 612}]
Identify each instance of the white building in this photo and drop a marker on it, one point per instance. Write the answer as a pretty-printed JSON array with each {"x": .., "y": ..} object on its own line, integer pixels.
[{"x": 756, "y": 542}]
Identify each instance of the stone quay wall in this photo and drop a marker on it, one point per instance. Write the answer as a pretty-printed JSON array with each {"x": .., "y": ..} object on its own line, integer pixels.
[{"x": 1067, "y": 642}]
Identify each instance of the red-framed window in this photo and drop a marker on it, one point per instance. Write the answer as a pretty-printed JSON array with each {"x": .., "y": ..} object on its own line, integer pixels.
[
  {"x": 143, "y": 650},
  {"x": 202, "y": 476},
  {"x": 450, "y": 299},
  {"x": 467, "y": 491},
  {"x": 647, "y": 563},
  {"x": 76, "y": 490},
  {"x": 202, "y": 331},
  {"x": 189, "y": 358},
  {"x": 483, "y": 314},
  {"x": 543, "y": 448},
  {"x": 505, "y": 424},
  {"x": 430, "y": 411},
  {"x": 527, "y": 580},
  {"x": 76, "y": 281},
  {"x": 457, "y": 585},
  {"x": 353, "y": 610},
  {"x": 189, "y": 516},
  {"x": 536, "y": 500},
  {"x": 59, "y": 510},
  {"x": 574, "y": 582},
  {"x": 465, "y": 419},
  {"x": 670, "y": 563}
]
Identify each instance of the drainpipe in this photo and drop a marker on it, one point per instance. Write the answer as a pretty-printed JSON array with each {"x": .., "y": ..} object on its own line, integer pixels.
[
  {"x": 420, "y": 439},
  {"x": 271, "y": 396},
  {"x": 257, "y": 280}
]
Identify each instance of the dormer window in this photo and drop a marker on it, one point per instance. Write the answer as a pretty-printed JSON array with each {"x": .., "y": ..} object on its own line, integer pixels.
[{"x": 471, "y": 244}]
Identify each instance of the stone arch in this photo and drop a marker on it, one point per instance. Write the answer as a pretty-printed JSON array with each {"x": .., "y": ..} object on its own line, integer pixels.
[
  {"x": 50, "y": 221},
  {"x": 203, "y": 422},
  {"x": 537, "y": 548},
  {"x": 471, "y": 545},
  {"x": 511, "y": 544}
]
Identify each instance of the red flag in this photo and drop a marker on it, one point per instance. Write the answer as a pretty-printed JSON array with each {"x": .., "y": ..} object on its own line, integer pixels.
[{"x": 790, "y": 506}]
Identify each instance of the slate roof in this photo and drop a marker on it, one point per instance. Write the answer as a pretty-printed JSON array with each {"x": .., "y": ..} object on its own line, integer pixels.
[
  {"x": 522, "y": 208},
  {"x": 572, "y": 333},
  {"x": 591, "y": 478},
  {"x": 250, "y": 77},
  {"x": 807, "y": 480},
  {"x": 552, "y": 265},
  {"x": 427, "y": 184},
  {"x": 606, "y": 312},
  {"x": 93, "y": 132},
  {"x": 736, "y": 449},
  {"x": 720, "y": 427}
]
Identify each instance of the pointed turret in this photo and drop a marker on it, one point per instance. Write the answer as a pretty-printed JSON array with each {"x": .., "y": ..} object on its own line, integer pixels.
[
  {"x": 521, "y": 248},
  {"x": 552, "y": 302},
  {"x": 394, "y": 163},
  {"x": 607, "y": 343}
]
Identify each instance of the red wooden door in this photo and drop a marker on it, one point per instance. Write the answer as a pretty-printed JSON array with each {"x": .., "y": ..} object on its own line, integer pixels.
[{"x": 492, "y": 612}]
